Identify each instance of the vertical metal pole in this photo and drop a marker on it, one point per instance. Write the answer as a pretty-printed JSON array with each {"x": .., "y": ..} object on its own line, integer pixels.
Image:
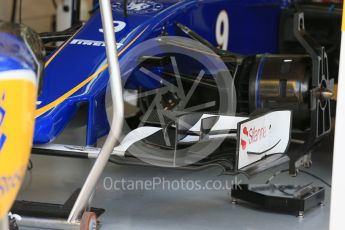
[
  {"x": 4, "y": 225},
  {"x": 118, "y": 111},
  {"x": 337, "y": 220},
  {"x": 75, "y": 12}
]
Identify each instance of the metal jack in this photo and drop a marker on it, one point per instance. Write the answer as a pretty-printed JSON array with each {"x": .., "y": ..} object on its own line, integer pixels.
[{"x": 73, "y": 221}]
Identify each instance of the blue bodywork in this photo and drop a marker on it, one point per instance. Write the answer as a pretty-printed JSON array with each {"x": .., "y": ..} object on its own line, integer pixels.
[
  {"x": 76, "y": 73},
  {"x": 14, "y": 54}
]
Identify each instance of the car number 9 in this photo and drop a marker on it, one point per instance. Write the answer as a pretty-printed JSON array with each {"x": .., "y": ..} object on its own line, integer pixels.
[{"x": 222, "y": 30}]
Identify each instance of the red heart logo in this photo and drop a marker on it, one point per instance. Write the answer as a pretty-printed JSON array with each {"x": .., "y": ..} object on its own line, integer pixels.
[
  {"x": 245, "y": 131},
  {"x": 243, "y": 144}
]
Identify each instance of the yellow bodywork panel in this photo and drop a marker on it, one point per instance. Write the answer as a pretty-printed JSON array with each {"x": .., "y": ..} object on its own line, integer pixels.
[{"x": 17, "y": 106}]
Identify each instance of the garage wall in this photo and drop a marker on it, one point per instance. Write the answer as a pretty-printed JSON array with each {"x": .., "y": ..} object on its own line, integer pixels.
[
  {"x": 4, "y": 9},
  {"x": 37, "y": 14}
]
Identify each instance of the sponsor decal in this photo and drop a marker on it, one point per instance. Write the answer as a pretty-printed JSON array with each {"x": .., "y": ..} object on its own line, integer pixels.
[
  {"x": 139, "y": 6},
  {"x": 252, "y": 135},
  {"x": 3, "y": 136},
  {"x": 83, "y": 42},
  {"x": 263, "y": 136},
  {"x": 12, "y": 182}
]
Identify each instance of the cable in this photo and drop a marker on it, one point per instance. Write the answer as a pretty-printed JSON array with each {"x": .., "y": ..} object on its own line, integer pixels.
[
  {"x": 302, "y": 171},
  {"x": 30, "y": 165},
  {"x": 282, "y": 188},
  {"x": 14, "y": 10},
  {"x": 27, "y": 182},
  {"x": 236, "y": 173},
  {"x": 54, "y": 4},
  {"x": 316, "y": 177},
  {"x": 20, "y": 11},
  {"x": 125, "y": 8},
  {"x": 227, "y": 173},
  {"x": 275, "y": 175}
]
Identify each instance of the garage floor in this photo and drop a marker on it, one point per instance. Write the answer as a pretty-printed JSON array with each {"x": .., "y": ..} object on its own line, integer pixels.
[{"x": 54, "y": 179}]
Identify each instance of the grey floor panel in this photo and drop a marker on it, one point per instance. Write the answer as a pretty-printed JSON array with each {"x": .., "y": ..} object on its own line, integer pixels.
[{"x": 54, "y": 179}]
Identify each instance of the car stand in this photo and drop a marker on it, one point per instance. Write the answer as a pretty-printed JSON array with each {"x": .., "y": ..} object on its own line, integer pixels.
[
  {"x": 78, "y": 218},
  {"x": 47, "y": 210}
]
